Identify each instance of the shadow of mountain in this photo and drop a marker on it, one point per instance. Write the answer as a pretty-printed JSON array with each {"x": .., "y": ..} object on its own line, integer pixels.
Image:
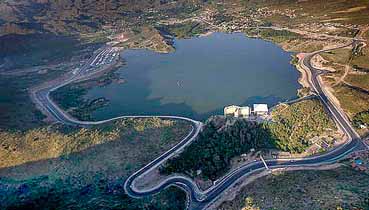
[{"x": 88, "y": 179}]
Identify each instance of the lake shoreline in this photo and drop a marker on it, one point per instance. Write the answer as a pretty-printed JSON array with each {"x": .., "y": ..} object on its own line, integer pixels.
[{"x": 237, "y": 36}]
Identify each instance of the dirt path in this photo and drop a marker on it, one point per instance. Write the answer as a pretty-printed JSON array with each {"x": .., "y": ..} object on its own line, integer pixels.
[{"x": 342, "y": 78}]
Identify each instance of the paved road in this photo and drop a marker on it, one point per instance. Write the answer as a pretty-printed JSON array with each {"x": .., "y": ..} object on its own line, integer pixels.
[
  {"x": 42, "y": 96},
  {"x": 334, "y": 112},
  {"x": 198, "y": 198}
]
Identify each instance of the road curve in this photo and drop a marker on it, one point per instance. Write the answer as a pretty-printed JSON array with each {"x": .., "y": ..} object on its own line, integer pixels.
[{"x": 200, "y": 199}]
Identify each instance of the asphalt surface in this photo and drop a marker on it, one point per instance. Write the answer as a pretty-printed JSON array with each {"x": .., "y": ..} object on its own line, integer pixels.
[{"x": 199, "y": 199}]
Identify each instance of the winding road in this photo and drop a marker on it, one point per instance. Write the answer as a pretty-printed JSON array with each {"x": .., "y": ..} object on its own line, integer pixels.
[{"x": 199, "y": 199}]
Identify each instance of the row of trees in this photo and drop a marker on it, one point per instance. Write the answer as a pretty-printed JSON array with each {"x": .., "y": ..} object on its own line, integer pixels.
[{"x": 278, "y": 36}]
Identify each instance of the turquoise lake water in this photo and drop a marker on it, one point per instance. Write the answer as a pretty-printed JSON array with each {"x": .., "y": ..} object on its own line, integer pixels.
[{"x": 202, "y": 76}]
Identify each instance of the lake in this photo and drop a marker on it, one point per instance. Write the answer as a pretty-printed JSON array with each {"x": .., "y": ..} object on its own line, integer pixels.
[{"x": 202, "y": 76}]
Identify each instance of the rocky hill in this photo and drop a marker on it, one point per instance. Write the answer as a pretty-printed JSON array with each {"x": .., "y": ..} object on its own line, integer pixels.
[{"x": 81, "y": 16}]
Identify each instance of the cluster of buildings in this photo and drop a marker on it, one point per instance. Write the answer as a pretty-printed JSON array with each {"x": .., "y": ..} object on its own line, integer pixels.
[{"x": 245, "y": 111}]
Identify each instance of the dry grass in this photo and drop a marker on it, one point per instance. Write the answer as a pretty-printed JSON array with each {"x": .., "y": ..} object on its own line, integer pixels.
[
  {"x": 303, "y": 45},
  {"x": 340, "y": 56},
  {"x": 351, "y": 100},
  {"x": 333, "y": 78},
  {"x": 131, "y": 138},
  {"x": 363, "y": 59},
  {"x": 359, "y": 80},
  {"x": 341, "y": 188},
  {"x": 308, "y": 11}
]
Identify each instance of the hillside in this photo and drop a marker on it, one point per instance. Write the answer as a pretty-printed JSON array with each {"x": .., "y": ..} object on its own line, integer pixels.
[
  {"x": 62, "y": 167},
  {"x": 81, "y": 16},
  {"x": 341, "y": 188}
]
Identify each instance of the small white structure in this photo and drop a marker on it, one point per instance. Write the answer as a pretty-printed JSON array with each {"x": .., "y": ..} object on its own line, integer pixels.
[
  {"x": 237, "y": 111},
  {"x": 260, "y": 109},
  {"x": 244, "y": 112},
  {"x": 231, "y": 111}
]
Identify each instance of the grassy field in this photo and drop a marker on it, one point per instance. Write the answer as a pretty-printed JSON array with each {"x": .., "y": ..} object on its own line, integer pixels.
[
  {"x": 342, "y": 188},
  {"x": 340, "y": 56},
  {"x": 351, "y": 100},
  {"x": 361, "y": 81},
  {"x": 63, "y": 167}
]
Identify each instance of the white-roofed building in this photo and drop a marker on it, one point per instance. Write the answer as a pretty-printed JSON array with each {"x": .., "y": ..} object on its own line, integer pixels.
[
  {"x": 231, "y": 111},
  {"x": 237, "y": 111},
  {"x": 260, "y": 109},
  {"x": 244, "y": 111}
]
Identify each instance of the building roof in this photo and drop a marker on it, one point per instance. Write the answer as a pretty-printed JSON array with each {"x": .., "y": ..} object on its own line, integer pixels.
[
  {"x": 231, "y": 108},
  {"x": 244, "y": 110},
  {"x": 260, "y": 108}
]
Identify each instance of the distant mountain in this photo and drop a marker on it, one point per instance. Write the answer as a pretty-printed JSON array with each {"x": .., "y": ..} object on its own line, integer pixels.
[{"x": 81, "y": 16}]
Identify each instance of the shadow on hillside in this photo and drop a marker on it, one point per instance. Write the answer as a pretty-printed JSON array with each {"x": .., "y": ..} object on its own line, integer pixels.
[{"x": 92, "y": 178}]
